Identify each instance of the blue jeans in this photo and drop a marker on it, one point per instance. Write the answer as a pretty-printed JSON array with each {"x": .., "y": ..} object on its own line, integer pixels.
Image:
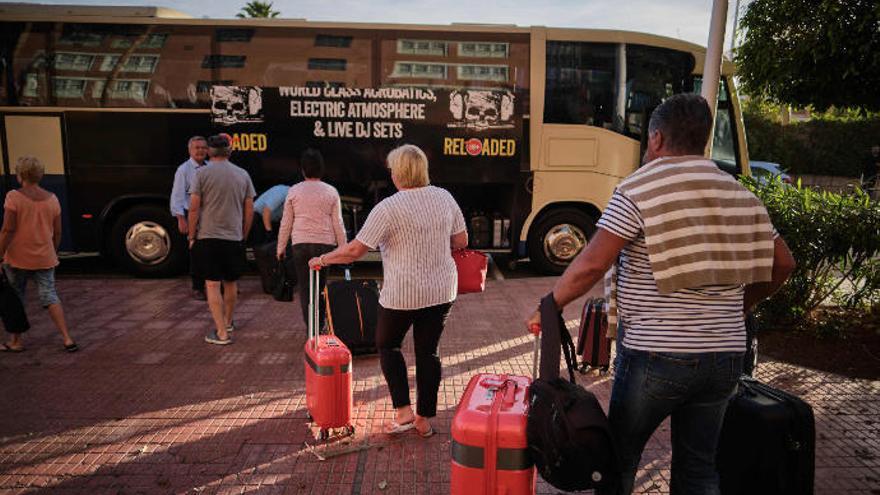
[
  {"x": 45, "y": 280},
  {"x": 694, "y": 390}
]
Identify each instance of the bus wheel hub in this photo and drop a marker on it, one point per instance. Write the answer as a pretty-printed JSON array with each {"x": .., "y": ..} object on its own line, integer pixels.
[
  {"x": 148, "y": 243},
  {"x": 563, "y": 242}
]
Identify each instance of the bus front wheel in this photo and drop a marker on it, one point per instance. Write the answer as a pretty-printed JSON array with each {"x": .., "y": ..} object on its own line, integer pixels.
[
  {"x": 144, "y": 241},
  {"x": 558, "y": 237}
]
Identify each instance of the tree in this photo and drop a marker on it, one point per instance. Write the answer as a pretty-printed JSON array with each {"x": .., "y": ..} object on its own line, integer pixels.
[
  {"x": 256, "y": 8},
  {"x": 818, "y": 53}
]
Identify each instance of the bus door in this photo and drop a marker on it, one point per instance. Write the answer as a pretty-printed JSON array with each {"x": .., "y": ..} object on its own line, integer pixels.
[{"x": 40, "y": 136}]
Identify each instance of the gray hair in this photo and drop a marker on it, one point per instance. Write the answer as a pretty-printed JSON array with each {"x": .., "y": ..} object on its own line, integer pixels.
[
  {"x": 219, "y": 152},
  {"x": 29, "y": 169},
  {"x": 196, "y": 138},
  {"x": 409, "y": 166},
  {"x": 685, "y": 122}
]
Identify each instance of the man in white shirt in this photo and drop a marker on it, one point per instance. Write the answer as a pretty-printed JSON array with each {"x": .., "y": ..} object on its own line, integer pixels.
[{"x": 180, "y": 195}]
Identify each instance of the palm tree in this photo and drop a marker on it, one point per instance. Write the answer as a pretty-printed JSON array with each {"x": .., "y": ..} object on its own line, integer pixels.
[{"x": 256, "y": 8}]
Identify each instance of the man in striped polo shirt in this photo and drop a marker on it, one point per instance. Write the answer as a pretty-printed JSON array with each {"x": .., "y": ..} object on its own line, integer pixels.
[{"x": 690, "y": 252}]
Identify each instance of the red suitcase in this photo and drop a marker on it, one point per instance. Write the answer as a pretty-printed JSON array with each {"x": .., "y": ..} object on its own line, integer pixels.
[
  {"x": 328, "y": 372},
  {"x": 489, "y": 449},
  {"x": 593, "y": 344}
]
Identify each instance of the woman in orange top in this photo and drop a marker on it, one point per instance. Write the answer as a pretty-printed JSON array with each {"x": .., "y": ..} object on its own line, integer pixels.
[{"x": 29, "y": 242}]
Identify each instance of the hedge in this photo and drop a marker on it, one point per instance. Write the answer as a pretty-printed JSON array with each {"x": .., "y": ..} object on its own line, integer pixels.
[
  {"x": 835, "y": 241},
  {"x": 819, "y": 147}
]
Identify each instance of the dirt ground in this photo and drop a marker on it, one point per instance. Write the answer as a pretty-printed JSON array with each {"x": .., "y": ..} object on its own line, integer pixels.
[{"x": 856, "y": 353}]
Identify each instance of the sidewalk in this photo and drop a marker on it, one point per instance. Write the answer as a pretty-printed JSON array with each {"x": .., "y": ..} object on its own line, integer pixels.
[{"x": 147, "y": 407}]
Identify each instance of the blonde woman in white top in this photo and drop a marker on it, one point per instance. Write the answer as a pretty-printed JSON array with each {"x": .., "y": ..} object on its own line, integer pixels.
[{"x": 416, "y": 230}]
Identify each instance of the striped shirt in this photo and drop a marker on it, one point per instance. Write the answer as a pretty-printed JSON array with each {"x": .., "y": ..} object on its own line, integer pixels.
[
  {"x": 701, "y": 226},
  {"x": 412, "y": 229},
  {"x": 705, "y": 318}
]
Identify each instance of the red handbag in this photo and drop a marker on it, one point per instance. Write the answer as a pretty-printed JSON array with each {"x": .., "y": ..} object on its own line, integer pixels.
[{"x": 472, "y": 267}]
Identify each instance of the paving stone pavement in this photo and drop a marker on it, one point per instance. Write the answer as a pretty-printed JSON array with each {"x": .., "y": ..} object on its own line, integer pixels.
[{"x": 147, "y": 407}]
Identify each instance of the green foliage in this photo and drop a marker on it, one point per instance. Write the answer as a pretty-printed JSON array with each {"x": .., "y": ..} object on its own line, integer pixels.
[
  {"x": 836, "y": 143},
  {"x": 256, "y": 8},
  {"x": 835, "y": 240},
  {"x": 818, "y": 53}
]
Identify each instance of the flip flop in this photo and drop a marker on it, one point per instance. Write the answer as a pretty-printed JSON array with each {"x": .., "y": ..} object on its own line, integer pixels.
[
  {"x": 71, "y": 348},
  {"x": 6, "y": 348},
  {"x": 398, "y": 428},
  {"x": 429, "y": 433}
]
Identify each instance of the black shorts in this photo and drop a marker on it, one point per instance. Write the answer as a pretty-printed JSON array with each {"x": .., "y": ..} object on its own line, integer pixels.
[{"x": 219, "y": 259}]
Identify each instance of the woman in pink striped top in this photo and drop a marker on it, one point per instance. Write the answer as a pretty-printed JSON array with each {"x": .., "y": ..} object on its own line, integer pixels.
[{"x": 312, "y": 223}]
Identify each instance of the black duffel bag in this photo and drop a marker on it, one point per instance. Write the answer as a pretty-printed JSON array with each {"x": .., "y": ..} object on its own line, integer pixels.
[
  {"x": 283, "y": 283},
  {"x": 568, "y": 435}
]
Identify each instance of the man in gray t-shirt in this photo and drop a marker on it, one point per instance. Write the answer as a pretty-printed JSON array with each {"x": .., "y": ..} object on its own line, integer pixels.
[{"x": 220, "y": 216}]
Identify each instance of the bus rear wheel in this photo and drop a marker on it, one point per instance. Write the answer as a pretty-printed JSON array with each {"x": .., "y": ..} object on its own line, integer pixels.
[
  {"x": 558, "y": 237},
  {"x": 144, "y": 241}
]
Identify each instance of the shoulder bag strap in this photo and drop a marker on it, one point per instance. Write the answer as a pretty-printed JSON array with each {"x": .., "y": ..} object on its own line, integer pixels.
[{"x": 554, "y": 336}]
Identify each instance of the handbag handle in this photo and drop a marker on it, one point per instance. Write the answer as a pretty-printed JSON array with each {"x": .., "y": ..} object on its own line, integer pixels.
[{"x": 555, "y": 338}]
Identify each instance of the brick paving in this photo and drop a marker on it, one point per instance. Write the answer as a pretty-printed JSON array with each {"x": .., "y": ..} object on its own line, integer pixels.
[{"x": 147, "y": 407}]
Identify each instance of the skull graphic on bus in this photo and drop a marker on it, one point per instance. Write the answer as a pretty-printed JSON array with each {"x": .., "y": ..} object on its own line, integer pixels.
[
  {"x": 480, "y": 110},
  {"x": 236, "y": 104}
]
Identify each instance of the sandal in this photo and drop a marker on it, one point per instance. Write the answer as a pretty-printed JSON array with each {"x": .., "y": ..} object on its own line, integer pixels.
[
  {"x": 427, "y": 434},
  {"x": 72, "y": 347},
  {"x": 395, "y": 428},
  {"x": 8, "y": 348}
]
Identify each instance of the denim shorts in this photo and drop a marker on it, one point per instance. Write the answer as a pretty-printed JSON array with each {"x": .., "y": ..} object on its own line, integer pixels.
[{"x": 45, "y": 280}]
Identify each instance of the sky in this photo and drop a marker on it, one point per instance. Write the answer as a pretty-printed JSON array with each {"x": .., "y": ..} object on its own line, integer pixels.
[{"x": 683, "y": 19}]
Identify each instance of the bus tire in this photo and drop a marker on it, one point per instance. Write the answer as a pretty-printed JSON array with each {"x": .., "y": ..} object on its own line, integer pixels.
[
  {"x": 145, "y": 242},
  {"x": 557, "y": 238}
]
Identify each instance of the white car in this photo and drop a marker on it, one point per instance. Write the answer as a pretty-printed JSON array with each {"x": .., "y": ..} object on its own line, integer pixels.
[{"x": 764, "y": 172}]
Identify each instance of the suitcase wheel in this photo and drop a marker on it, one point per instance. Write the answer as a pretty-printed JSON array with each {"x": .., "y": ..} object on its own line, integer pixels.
[{"x": 584, "y": 368}]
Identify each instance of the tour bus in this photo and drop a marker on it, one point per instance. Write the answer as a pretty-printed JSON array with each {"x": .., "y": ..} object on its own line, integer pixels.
[{"x": 530, "y": 128}]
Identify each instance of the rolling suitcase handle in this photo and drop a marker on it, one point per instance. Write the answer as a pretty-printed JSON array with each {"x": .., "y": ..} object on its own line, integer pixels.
[
  {"x": 314, "y": 305},
  {"x": 535, "y": 354},
  {"x": 536, "y": 329}
]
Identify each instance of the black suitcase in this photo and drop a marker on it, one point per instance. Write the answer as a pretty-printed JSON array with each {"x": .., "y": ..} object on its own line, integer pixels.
[
  {"x": 768, "y": 442},
  {"x": 352, "y": 310},
  {"x": 593, "y": 344},
  {"x": 267, "y": 265}
]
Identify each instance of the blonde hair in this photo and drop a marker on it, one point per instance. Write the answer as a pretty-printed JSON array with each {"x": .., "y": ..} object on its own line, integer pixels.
[
  {"x": 409, "y": 166},
  {"x": 29, "y": 168}
]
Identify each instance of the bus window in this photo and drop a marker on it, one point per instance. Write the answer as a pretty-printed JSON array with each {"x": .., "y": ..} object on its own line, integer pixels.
[
  {"x": 458, "y": 60},
  {"x": 724, "y": 141},
  {"x": 580, "y": 85},
  {"x": 281, "y": 56},
  {"x": 652, "y": 75},
  {"x": 166, "y": 66},
  {"x": 25, "y": 63}
]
